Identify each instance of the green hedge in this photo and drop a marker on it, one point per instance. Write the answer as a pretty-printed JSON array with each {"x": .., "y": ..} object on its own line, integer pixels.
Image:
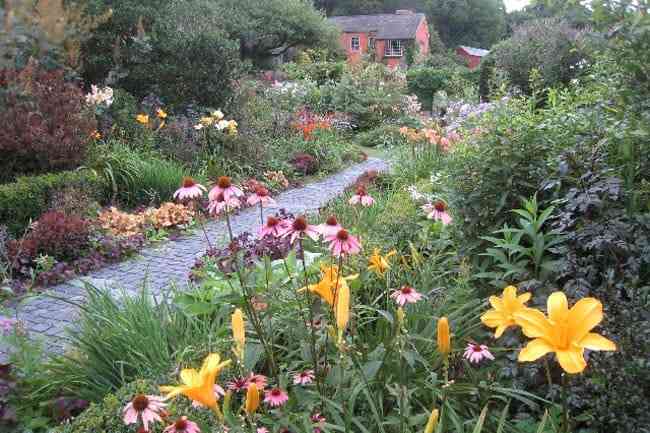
[
  {"x": 425, "y": 82},
  {"x": 29, "y": 196}
]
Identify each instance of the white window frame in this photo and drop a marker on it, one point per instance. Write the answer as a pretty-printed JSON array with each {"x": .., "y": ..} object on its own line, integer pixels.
[
  {"x": 371, "y": 43},
  {"x": 358, "y": 43},
  {"x": 393, "y": 48}
]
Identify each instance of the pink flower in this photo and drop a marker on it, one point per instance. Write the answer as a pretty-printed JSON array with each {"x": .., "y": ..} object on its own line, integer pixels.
[
  {"x": 224, "y": 186},
  {"x": 183, "y": 425},
  {"x": 146, "y": 407},
  {"x": 262, "y": 430},
  {"x": 261, "y": 196},
  {"x": 319, "y": 421},
  {"x": 343, "y": 243},
  {"x": 406, "y": 295},
  {"x": 275, "y": 397},
  {"x": 330, "y": 227},
  {"x": 258, "y": 379},
  {"x": 477, "y": 352},
  {"x": 274, "y": 227},
  {"x": 218, "y": 392},
  {"x": 190, "y": 190},
  {"x": 238, "y": 384},
  {"x": 361, "y": 197},
  {"x": 7, "y": 325},
  {"x": 220, "y": 204},
  {"x": 304, "y": 377},
  {"x": 299, "y": 228},
  {"x": 438, "y": 212}
]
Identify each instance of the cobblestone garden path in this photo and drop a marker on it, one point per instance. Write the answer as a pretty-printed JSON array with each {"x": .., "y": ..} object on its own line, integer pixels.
[{"x": 170, "y": 262}]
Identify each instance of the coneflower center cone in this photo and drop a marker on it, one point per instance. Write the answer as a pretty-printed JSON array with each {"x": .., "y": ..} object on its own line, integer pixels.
[
  {"x": 140, "y": 402},
  {"x": 180, "y": 424},
  {"x": 331, "y": 221},
  {"x": 188, "y": 182},
  {"x": 224, "y": 182},
  {"x": 440, "y": 206},
  {"x": 342, "y": 235},
  {"x": 299, "y": 224}
]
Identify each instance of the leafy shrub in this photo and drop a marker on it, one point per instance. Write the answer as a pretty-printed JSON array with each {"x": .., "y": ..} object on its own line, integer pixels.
[
  {"x": 548, "y": 45},
  {"x": 54, "y": 234},
  {"x": 169, "y": 215},
  {"x": 29, "y": 197},
  {"x": 320, "y": 72},
  {"x": 371, "y": 93},
  {"x": 383, "y": 136},
  {"x": 46, "y": 126},
  {"x": 425, "y": 82},
  {"x": 304, "y": 163}
]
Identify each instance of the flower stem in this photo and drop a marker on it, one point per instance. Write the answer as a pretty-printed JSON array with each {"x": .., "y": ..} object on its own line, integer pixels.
[
  {"x": 565, "y": 405},
  {"x": 312, "y": 332}
]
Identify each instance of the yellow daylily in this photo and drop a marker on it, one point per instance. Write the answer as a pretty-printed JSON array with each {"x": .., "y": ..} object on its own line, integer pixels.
[
  {"x": 566, "y": 332},
  {"x": 252, "y": 398},
  {"x": 433, "y": 421},
  {"x": 206, "y": 121},
  {"x": 199, "y": 385},
  {"x": 444, "y": 337},
  {"x": 161, "y": 113},
  {"x": 142, "y": 118},
  {"x": 378, "y": 263},
  {"x": 342, "y": 310},
  {"x": 238, "y": 333},
  {"x": 329, "y": 283},
  {"x": 501, "y": 316},
  {"x": 217, "y": 114}
]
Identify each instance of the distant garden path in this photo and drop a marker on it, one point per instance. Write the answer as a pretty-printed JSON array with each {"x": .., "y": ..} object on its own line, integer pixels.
[{"x": 169, "y": 262}]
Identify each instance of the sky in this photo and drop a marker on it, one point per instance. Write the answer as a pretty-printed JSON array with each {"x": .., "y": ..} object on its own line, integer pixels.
[{"x": 512, "y": 5}]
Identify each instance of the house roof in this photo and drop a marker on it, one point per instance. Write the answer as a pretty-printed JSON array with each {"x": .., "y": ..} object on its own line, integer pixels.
[
  {"x": 385, "y": 26},
  {"x": 478, "y": 52}
]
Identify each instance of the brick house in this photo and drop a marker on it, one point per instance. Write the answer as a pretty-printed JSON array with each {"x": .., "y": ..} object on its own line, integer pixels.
[
  {"x": 472, "y": 55},
  {"x": 384, "y": 38}
]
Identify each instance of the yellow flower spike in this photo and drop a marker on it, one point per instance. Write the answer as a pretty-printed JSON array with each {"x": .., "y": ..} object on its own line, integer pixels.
[
  {"x": 252, "y": 399},
  {"x": 378, "y": 263},
  {"x": 199, "y": 385},
  {"x": 342, "y": 310},
  {"x": 238, "y": 333},
  {"x": 161, "y": 113},
  {"x": 566, "y": 332},
  {"x": 142, "y": 118},
  {"x": 433, "y": 421},
  {"x": 444, "y": 338},
  {"x": 501, "y": 316}
]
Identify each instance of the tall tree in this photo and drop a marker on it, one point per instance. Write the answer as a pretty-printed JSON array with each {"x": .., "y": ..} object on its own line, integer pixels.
[{"x": 478, "y": 23}]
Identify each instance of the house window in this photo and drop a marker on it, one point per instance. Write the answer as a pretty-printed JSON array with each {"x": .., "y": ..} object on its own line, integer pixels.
[
  {"x": 393, "y": 48},
  {"x": 355, "y": 43}
]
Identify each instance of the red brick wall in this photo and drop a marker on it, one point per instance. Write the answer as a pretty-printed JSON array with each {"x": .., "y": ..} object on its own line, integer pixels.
[
  {"x": 354, "y": 55},
  {"x": 422, "y": 38},
  {"x": 472, "y": 61}
]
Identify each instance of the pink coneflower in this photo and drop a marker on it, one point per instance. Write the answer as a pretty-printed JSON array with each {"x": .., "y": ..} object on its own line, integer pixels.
[
  {"x": 274, "y": 227},
  {"x": 319, "y": 421},
  {"x": 258, "y": 379},
  {"x": 189, "y": 190},
  {"x": 146, "y": 407},
  {"x": 299, "y": 228},
  {"x": 183, "y": 425},
  {"x": 218, "y": 393},
  {"x": 262, "y": 430},
  {"x": 220, "y": 204},
  {"x": 304, "y": 377},
  {"x": 261, "y": 196},
  {"x": 477, "y": 352},
  {"x": 343, "y": 243},
  {"x": 330, "y": 227},
  {"x": 238, "y": 385},
  {"x": 275, "y": 397},
  {"x": 224, "y": 186},
  {"x": 406, "y": 295},
  {"x": 438, "y": 212},
  {"x": 361, "y": 197}
]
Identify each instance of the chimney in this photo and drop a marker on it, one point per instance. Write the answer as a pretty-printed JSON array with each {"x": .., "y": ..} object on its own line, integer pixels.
[{"x": 404, "y": 12}]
